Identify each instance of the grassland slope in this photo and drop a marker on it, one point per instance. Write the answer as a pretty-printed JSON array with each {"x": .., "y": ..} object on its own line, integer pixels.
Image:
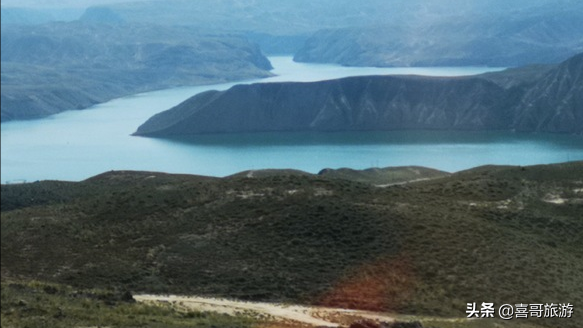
[{"x": 490, "y": 234}]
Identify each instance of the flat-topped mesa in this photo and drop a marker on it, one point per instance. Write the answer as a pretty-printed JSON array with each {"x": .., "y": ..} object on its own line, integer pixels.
[{"x": 479, "y": 102}]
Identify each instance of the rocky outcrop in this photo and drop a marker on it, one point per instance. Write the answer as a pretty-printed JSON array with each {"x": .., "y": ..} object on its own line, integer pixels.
[
  {"x": 551, "y": 104},
  {"x": 555, "y": 102}
]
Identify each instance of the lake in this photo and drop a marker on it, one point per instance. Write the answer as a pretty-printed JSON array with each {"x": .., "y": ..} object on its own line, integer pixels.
[{"x": 76, "y": 145}]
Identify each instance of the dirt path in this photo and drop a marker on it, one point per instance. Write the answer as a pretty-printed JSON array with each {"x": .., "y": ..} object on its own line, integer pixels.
[
  {"x": 403, "y": 182},
  {"x": 316, "y": 316}
]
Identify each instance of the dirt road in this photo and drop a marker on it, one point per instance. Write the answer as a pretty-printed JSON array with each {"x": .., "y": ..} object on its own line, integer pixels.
[{"x": 316, "y": 316}]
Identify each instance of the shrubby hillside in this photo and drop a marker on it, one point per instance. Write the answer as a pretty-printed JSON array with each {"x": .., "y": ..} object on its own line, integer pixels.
[{"x": 493, "y": 233}]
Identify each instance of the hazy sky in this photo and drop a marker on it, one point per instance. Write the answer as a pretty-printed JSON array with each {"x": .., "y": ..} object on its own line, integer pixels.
[{"x": 58, "y": 3}]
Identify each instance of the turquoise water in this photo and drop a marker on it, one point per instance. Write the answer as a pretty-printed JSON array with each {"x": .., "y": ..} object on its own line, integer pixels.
[{"x": 76, "y": 145}]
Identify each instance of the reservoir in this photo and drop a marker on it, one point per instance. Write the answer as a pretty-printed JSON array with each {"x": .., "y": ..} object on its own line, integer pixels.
[{"x": 76, "y": 145}]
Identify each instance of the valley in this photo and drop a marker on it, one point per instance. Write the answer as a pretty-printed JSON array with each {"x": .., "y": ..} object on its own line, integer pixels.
[{"x": 291, "y": 164}]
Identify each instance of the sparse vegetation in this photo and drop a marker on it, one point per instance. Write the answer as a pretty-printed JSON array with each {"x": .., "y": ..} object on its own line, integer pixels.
[
  {"x": 384, "y": 176},
  {"x": 37, "y": 304},
  {"x": 490, "y": 234}
]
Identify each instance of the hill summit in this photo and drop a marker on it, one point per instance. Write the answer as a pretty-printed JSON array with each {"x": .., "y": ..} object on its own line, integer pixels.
[{"x": 535, "y": 98}]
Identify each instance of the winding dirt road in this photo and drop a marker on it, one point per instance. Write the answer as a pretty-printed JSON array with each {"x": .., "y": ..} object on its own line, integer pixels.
[{"x": 315, "y": 316}]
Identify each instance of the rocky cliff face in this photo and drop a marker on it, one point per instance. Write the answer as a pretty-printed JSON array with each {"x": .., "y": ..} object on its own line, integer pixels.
[
  {"x": 552, "y": 103},
  {"x": 555, "y": 102}
]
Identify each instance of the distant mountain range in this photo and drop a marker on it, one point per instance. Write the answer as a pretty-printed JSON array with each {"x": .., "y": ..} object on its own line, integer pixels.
[
  {"x": 537, "y": 98},
  {"x": 366, "y": 33},
  {"x": 60, "y": 66},
  {"x": 32, "y": 16},
  {"x": 545, "y": 34}
]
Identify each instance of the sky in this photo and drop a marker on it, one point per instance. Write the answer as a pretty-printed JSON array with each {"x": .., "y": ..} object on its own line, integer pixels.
[{"x": 58, "y": 3}]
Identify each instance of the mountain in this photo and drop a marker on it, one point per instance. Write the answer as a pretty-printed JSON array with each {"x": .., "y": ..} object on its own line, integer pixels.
[
  {"x": 388, "y": 33},
  {"x": 99, "y": 14},
  {"x": 561, "y": 90},
  {"x": 529, "y": 99},
  {"x": 500, "y": 234},
  {"x": 543, "y": 33},
  {"x": 384, "y": 176},
  {"x": 414, "y": 32},
  {"x": 60, "y": 66},
  {"x": 375, "y": 176},
  {"x": 34, "y": 15},
  {"x": 259, "y": 16}
]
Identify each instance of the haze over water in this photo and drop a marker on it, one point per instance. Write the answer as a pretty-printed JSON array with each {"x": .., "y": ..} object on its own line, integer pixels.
[{"x": 76, "y": 145}]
